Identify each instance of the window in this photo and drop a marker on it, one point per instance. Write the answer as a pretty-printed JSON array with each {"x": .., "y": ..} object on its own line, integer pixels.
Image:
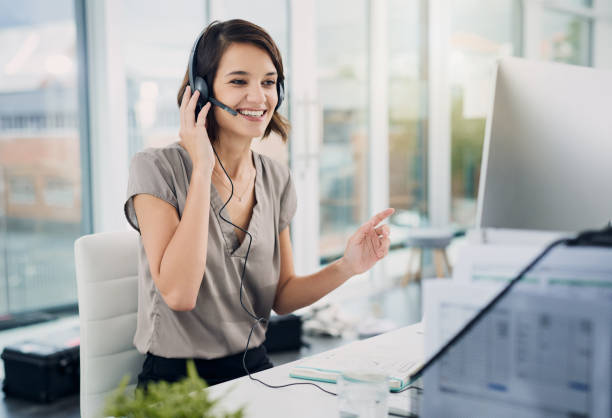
[
  {"x": 575, "y": 3},
  {"x": 566, "y": 38},
  {"x": 59, "y": 192},
  {"x": 157, "y": 38},
  {"x": 480, "y": 32},
  {"x": 407, "y": 109},
  {"x": 21, "y": 190},
  {"x": 342, "y": 57},
  {"x": 40, "y": 161}
]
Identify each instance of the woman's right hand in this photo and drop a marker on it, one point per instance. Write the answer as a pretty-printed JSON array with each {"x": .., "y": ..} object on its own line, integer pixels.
[{"x": 194, "y": 137}]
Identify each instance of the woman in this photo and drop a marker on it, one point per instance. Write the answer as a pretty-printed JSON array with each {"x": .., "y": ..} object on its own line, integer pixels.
[{"x": 191, "y": 259}]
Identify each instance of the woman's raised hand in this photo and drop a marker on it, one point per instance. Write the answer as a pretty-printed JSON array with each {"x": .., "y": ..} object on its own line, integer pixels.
[
  {"x": 369, "y": 244},
  {"x": 194, "y": 137}
]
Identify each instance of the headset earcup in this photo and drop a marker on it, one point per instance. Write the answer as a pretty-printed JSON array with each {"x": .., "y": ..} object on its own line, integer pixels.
[
  {"x": 201, "y": 86},
  {"x": 280, "y": 91}
]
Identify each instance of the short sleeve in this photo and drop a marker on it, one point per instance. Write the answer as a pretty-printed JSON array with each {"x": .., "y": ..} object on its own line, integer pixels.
[
  {"x": 288, "y": 204},
  {"x": 148, "y": 176}
]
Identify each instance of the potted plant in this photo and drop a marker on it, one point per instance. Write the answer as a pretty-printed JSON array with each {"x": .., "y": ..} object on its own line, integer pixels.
[{"x": 182, "y": 399}]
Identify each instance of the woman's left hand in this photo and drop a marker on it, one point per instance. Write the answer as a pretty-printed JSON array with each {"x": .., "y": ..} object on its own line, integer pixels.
[{"x": 368, "y": 244}]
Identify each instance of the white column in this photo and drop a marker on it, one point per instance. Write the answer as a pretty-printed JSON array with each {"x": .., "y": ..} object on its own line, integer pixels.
[
  {"x": 439, "y": 161},
  {"x": 532, "y": 20},
  {"x": 602, "y": 35},
  {"x": 108, "y": 114},
  {"x": 378, "y": 145},
  {"x": 306, "y": 120}
]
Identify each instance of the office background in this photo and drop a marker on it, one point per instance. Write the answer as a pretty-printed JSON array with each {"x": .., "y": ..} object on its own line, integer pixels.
[{"x": 387, "y": 100}]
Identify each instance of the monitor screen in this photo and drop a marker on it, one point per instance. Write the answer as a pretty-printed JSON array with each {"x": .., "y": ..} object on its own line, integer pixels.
[{"x": 543, "y": 349}]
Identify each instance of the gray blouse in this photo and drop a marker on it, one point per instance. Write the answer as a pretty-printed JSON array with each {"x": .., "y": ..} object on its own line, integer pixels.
[{"x": 217, "y": 326}]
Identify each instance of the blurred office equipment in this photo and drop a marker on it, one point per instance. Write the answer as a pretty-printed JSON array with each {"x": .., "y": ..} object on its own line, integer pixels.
[
  {"x": 435, "y": 240},
  {"x": 107, "y": 284},
  {"x": 548, "y": 147},
  {"x": 284, "y": 333},
  {"x": 43, "y": 369}
]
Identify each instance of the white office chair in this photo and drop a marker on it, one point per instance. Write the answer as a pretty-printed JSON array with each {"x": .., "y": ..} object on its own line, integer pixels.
[{"x": 107, "y": 282}]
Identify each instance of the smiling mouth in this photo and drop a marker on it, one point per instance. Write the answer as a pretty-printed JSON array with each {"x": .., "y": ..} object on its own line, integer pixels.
[{"x": 252, "y": 113}]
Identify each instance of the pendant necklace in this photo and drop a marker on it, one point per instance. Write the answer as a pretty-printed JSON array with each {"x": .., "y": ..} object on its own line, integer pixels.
[{"x": 239, "y": 196}]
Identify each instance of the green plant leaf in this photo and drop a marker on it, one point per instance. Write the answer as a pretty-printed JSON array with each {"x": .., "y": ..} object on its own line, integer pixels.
[{"x": 183, "y": 399}]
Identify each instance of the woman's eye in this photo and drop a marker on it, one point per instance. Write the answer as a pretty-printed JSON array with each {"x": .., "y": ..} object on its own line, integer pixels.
[
  {"x": 239, "y": 82},
  {"x": 269, "y": 82}
]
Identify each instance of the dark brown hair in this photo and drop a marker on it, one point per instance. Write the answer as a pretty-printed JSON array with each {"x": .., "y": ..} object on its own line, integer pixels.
[{"x": 216, "y": 39}]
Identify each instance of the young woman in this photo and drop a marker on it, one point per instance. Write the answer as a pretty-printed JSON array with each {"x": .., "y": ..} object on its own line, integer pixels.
[{"x": 191, "y": 304}]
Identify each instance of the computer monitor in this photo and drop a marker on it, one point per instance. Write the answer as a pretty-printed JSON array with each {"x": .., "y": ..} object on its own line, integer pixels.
[
  {"x": 541, "y": 348},
  {"x": 547, "y": 157}
]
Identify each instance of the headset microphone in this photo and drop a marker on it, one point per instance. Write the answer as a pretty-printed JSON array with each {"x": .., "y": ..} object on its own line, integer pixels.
[{"x": 201, "y": 85}]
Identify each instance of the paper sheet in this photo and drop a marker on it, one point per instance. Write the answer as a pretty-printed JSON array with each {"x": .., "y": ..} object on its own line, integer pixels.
[{"x": 492, "y": 264}]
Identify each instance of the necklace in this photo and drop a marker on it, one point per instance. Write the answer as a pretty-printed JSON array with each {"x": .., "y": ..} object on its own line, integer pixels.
[{"x": 239, "y": 196}]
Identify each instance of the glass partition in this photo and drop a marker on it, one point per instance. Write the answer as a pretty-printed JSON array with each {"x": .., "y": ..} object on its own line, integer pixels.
[
  {"x": 566, "y": 38},
  {"x": 407, "y": 89},
  {"x": 481, "y": 32},
  {"x": 342, "y": 57},
  {"x": 40, "y": 162}
]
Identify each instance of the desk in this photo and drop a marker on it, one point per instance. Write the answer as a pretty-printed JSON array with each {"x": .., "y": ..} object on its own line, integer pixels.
[{"x": 303, "y": 400}]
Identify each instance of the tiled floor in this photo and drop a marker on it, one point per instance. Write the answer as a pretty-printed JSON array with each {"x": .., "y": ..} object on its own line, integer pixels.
[{"x": 401, "y": 305}]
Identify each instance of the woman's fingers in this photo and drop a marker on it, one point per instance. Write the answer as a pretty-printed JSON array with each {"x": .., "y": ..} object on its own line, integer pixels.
[
  {"x": 202, "y": 115},
  {"x": 383, "y": 230},
  {"x": 381, "y": 216},
  {"x": 190, "y": 109},
  {"x": 375, "y": 242},
  {"x": 386, "y": 243},
  {"x": 379, "y": 240},
  {"x": 184, "y": 100},
  {"x": 375, "y": 220}
]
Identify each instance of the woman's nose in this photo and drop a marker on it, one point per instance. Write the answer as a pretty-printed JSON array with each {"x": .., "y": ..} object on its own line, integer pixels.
[{"x": 256, "y": 94}]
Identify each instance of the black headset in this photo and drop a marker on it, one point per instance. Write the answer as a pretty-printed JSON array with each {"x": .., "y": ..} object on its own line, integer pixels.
[{"x": 198, "y": 83}]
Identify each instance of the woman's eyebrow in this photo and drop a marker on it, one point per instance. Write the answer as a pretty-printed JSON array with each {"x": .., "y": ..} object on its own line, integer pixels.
[{"x": 240, "y": 72}]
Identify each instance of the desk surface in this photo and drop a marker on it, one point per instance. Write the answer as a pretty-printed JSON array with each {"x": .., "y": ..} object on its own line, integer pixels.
[{"x": 302, "y": 400}]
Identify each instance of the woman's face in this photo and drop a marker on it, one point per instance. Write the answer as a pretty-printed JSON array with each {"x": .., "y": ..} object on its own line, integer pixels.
[{"x": 246, "y": 82}]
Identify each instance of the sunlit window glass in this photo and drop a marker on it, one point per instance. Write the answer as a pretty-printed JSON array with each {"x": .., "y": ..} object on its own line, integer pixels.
[
  {"x": 40, "y": 171},
  {"x": 566, "y": 38},
  {"x": 481, "y": 32},
  {"x": 575, "y": 3},
  {"x": 157, "y": 38},
  {"x": 342, "y": 59},
  {"x": 273, "y": 18},
  {"x": 407, "y": 110}
]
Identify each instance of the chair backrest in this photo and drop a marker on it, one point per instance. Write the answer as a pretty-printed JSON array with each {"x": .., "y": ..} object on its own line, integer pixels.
[{"x": 107, "y": 282}]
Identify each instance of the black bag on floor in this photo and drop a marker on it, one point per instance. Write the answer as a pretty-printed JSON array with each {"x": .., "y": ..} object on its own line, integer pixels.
[
  {"x": 44, "y": 369},
  {"x": 284, "y": 333}
]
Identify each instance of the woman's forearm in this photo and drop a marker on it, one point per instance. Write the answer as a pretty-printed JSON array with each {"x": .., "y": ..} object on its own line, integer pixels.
[
  {"x": 184, "y": 260},
  {"x": 301, "y": 291}
]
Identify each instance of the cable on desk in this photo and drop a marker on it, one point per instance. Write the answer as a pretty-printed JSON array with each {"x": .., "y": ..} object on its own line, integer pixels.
[
  {"x": 266, "y": 384},
  {"x": 418, "y": 389}
]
